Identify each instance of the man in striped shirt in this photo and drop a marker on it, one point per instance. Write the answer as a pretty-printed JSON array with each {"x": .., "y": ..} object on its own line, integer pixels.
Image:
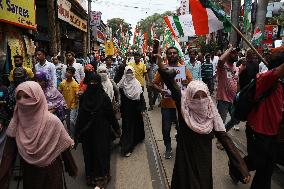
[{"x": 207, "y": 73}]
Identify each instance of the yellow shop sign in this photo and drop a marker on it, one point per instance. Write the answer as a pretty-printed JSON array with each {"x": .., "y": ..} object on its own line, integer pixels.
[{"x": 18, "y": 12}]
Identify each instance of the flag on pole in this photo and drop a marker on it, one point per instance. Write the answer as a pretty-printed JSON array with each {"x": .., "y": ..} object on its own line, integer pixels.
[
  {"x": 135, "y": 36},
  {"x": 247, "y": 14},
  {"x": 145, "y": 43},
  {"x": 169, "y": 41},
  {"x": 204, "y": 18},
  {"x": 257, "y": 37},
  {"x": 152, "y": 33},
  {"x": 184, "y": 7}
]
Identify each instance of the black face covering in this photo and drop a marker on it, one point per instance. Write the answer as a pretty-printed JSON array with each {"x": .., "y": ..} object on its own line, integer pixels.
[
  {"x": 94, "y": 94},
  {"x": 19, "y": 75},
  {"x": 248, "y": 74},
  {"x": 18, "y": 65}
]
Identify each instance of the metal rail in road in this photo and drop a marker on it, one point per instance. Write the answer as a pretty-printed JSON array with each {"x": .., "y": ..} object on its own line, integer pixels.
[{"x": 158, "y": 171}]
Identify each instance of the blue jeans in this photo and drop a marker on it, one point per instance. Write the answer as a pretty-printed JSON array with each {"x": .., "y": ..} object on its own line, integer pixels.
[
  {"x": 224, "y": 108},
  {"x": 168, "y": 117}
]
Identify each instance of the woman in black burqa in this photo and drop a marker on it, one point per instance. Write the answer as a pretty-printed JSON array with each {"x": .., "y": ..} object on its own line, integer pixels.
[
  {"x": 199, "y": 121},
  {"x": 93, "y": 129}
]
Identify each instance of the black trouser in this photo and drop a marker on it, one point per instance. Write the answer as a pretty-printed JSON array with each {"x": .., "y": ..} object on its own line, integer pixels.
[
  {"x": 152, "y": 95},
  {"x": 210, "y": 84},
  {"x": 168, "y": 117},
  {"x": 261, "y": 158}
]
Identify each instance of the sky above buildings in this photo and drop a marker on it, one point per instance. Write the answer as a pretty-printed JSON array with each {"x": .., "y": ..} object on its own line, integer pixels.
[{"x": 132, "y": 11}]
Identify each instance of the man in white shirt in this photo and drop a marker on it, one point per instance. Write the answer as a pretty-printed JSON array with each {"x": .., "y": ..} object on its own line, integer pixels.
[
  {"x": 71, "y": 62},
  {"x": 214, "y": 61},
  {"x": 45, "y": 66},
  {"x": 60, "y": 69}
]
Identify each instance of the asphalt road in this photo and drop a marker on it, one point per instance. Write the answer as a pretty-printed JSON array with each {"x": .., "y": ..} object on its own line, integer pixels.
[{"x": 139, "y": 171}]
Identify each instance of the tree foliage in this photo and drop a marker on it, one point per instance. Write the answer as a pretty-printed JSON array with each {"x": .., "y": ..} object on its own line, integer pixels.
[
  {"x": 156, "y": 21},
  {"x": 206, "y": 47},
  {"x": 116, "y": 23},
  {"x": 277, "y": 20}
]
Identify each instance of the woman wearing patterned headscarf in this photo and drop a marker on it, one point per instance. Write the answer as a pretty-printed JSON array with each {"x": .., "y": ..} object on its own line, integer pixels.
[
  {"x": 132, "y": 108},
  {"x": 110, "y": 88},
  {"x": 198, "y": 122},
  {"x": 55, "y": 100},
  {"x": 107, "y": 85},
  {"x": 40, "y": 139}
]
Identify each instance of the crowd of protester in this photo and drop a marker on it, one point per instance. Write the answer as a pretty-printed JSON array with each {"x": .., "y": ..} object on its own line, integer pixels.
[{"x": 46, "y": 111}]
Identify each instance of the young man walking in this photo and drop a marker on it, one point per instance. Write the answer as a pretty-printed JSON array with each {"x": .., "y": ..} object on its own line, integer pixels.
[
  {"x": 168, "y": 107},
  {"x": 227, "y": 84},
  {"x": 152, "y": 69},
  {"x": 45, "y": 66},
  {"x": 140, "y": 69},
  {"x": 69, "y": 89},
  {"x": 79, "y": 69}
]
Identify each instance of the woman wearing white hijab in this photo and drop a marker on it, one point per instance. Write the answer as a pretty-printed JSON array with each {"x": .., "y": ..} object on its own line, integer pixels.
[
  {"x": 132, "y": 108},
  {"x": 199, "y": 121},
  {"x": 107, "y": 84}
]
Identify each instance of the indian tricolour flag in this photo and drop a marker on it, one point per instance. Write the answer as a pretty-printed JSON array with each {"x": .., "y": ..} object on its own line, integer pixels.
[
  {"x": 204, "y": 19},
  {"x": 257, "y": 37}
]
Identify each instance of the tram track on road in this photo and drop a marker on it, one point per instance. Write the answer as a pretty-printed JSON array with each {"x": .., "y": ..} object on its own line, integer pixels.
[{"x": 158, "y": 170}]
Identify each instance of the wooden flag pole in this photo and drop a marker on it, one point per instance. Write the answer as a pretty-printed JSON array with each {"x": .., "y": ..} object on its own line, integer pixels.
[{"x": 249, "y": 43}]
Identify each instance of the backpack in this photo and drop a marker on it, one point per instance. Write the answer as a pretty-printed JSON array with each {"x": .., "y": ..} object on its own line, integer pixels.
[{"x": 245, "y": 102}]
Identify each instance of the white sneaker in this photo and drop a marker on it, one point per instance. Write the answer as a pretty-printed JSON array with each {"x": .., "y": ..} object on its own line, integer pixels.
[
  {"x": 236, "y": 128},
  {"x": 128, "y": 154}
]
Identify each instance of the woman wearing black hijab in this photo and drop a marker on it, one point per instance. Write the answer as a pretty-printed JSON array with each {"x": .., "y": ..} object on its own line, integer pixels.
[{"x": 95, "y": 119}]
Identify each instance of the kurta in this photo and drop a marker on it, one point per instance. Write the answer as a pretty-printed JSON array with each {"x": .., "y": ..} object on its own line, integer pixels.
[{"x": 132, "y": 122}]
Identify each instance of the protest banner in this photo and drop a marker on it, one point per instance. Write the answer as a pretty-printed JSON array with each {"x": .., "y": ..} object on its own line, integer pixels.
[{"x": 179, "y": 78}]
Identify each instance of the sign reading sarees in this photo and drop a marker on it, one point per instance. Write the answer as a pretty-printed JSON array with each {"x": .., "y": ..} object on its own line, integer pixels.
[
  {"x": 18, "y": 12},
  {"x": 64, "y": 13}
]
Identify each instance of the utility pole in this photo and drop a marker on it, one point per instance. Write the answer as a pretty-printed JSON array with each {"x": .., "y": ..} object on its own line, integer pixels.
[{"x": 89, "y": 27}]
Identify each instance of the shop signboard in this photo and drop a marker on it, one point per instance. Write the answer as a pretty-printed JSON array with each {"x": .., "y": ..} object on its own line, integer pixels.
[
  {"x": 271, "y": 31},
  {"x": 64, "y": 10},
  {"x": 268, "y": 43},
  {"x": 65, "y": 14},
  {"x": 109, "y": 48},
  {"x": 77, "y": 22},
  {"x": 278, "y": 43},
  {"x": 95, "y": 18},
  {"x": 100, "y": 36},
  {"x": 83, "y": 4},
  {"x": 18, "y": 12}
]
